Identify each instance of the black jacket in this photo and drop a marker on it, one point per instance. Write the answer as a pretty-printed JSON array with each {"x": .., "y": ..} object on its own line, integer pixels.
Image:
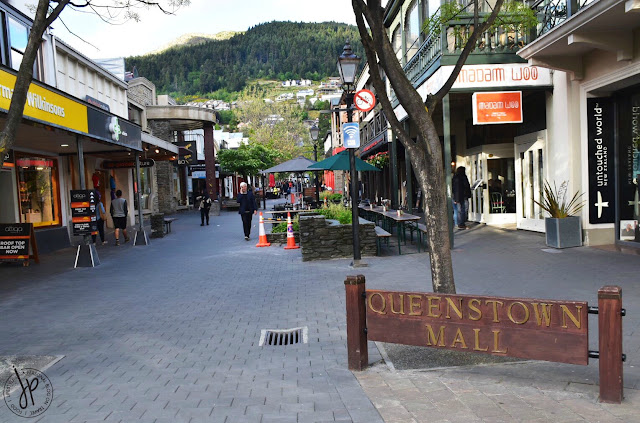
[
  {"x": 461, "y": 188},
  {"x": 247, "y": 202}
]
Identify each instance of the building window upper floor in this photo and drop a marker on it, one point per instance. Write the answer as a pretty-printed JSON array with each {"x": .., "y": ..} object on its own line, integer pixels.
[{"x": 14, "y": 38}]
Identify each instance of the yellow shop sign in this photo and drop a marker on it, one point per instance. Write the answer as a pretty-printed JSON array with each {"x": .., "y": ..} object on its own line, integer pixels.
[{"x": 45, "y": 105}]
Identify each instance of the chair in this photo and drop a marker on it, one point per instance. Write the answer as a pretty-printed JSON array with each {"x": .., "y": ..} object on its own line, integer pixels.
[{"x": 497, "y": 205}]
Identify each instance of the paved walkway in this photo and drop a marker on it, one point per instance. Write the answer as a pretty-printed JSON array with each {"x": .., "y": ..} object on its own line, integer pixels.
[{"x": 169, "y": 333}]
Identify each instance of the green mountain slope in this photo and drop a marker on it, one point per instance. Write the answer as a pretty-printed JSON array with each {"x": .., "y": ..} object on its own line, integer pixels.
[{"x": 275, "y": 50}]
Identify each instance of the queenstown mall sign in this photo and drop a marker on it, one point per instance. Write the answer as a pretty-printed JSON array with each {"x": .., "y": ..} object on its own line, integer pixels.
[{"x": 526, "y": 328}]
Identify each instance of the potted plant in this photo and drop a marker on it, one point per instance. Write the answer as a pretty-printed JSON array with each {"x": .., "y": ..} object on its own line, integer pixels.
[{"x": 562, "y": 228}]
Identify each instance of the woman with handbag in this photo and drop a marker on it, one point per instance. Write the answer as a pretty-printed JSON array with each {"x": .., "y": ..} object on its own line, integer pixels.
[{"x": 101, "y": 216}]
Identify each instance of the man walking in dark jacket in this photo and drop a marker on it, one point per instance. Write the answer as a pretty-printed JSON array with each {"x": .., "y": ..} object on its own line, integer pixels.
[
  {"x": 461, "y": 194},
  {"x": 247, "y": 209}
]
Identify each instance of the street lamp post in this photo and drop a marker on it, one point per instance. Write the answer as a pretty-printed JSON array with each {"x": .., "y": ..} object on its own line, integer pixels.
[
  {"x": 313, "y": 131},
  {"x": 347, "y": 66}
]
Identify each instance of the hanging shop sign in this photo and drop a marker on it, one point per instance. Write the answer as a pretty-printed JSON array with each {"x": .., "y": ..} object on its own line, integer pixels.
[
  {"x": 600, "y": 124},
  {"x": 188, "y": 154},
  {"x": 127, "y": 164},
  {"x": 82, "y": 202},
  {"x": 113, "y": 129},
  {"x": 497, "y": 107},
  {"x": 45, "y": 105}
]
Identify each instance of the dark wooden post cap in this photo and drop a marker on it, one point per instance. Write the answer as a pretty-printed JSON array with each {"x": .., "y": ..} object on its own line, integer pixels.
[
  {"x": 610, "y": 292},
  {"x": 354, "y": 280}
]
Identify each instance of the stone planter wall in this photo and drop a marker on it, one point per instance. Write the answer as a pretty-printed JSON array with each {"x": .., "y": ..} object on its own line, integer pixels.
[
  {"x": 321, "y": 240},
  {"x": 281, "y": 238}
]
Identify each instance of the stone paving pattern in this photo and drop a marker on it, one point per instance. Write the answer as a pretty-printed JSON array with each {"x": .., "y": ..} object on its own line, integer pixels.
[{"x": 169, "y": 333}]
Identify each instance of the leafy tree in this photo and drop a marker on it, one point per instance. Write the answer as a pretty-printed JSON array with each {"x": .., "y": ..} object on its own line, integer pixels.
[
  {"x": 278, "y": 126},
  {"x": 425, "y": 150},
  {"x": 46, "y": 12},
  {"x": 248, "y": 159}
]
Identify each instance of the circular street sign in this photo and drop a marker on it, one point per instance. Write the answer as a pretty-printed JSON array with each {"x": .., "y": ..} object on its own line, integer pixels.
[{"x": 364, "y": 100}]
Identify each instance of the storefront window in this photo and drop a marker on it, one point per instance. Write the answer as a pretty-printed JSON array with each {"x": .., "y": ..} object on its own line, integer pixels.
[
  {"x": 145, "y": 187},
  {"x": 629, "y": 167},
  {"x": 38, "y": 185},
  {"x": 19, "y": 36}
]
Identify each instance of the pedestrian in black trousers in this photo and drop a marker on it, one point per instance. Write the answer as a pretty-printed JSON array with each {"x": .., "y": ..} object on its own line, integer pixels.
[
  {"x": 247, "y": 209},
  {"x": 205, "y": 206}
]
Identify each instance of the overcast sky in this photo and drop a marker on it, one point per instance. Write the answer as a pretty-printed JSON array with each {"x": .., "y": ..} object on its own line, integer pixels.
[{"x": 201, "y": 16}]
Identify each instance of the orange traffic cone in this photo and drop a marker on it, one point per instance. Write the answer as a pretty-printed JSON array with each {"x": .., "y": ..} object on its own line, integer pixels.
[
  {"x": 325, "y": 202},
  {"x": 291, "y": 239},
  {"x": 262, "y": 239}
]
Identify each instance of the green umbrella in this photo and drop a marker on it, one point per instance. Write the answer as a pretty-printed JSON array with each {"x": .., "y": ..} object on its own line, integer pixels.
[{"x": 341, "y": 162}]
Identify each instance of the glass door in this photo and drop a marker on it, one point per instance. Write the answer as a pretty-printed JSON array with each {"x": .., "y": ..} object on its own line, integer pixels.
[
  {"x": 530, "y": 176},
  {"x": 475, "y": 173}
]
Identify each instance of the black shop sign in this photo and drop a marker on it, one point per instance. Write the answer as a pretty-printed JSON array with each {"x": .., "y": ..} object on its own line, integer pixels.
[
  {"x": 114, "y": 129},
  {"x": 601, "y": 128},
  {"x": 83, "y": 212},
  {"x": 14, "y": 241},
  {"x": 127, "y": 164}
]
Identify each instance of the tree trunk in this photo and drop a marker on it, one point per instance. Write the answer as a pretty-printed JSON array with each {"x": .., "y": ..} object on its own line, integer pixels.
[{"x": 25, "y": 74}]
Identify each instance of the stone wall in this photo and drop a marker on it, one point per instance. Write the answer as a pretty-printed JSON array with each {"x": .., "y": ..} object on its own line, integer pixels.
[
  {"x": 161, "y": 129},
  {"x": 322, "y": 240},
  {"x": 141, "y": 94},
  {"x": 166, "y": 202}
]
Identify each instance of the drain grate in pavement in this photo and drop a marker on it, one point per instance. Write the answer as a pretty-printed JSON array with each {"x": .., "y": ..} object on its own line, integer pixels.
[{"x": 284, "y": 336}]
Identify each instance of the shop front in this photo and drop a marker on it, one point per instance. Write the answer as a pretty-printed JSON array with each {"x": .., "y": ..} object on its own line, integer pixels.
[{"x": 60, "y": 146}]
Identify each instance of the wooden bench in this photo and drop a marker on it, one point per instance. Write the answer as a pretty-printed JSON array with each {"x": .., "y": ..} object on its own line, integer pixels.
[
  {"x": 167, "y": 223},
  {"x": 230, "y": 204},
  {"x": 422, "y": 236},
  {"x": 381, "y": 234}
]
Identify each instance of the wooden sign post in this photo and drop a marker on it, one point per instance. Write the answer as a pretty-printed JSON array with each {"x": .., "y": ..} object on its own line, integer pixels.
[{"x": 526, "y": 328}]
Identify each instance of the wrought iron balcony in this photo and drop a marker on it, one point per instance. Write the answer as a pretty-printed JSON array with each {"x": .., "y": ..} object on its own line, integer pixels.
[{"x": 552, "y": 13}]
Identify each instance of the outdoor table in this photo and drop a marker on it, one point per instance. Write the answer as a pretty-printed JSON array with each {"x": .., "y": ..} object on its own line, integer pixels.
[
  {"x": 400, "y": 221},
  {"x": 371, "y": 213}
]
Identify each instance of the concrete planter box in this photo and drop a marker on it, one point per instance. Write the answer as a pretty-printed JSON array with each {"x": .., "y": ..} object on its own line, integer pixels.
[{"x": 563, "y": 233}]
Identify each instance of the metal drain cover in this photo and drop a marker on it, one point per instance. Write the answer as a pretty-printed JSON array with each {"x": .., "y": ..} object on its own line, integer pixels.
[{"x": 284, "y": 336}]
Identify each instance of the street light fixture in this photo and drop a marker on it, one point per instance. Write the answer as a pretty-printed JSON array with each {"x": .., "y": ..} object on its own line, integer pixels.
[
  {"x": 348, "y": 63},
  {"x": 314, "y": 131}
]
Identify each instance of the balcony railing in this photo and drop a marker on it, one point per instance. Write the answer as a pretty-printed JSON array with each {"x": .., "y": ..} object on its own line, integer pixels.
[
  {"x": 373, "y": 129},
  {"x": 552, "y": 13}
]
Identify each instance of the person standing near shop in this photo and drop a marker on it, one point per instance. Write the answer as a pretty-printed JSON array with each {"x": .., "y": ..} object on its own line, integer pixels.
[
  {"x": 247, "y": 209},
  {"x": 205, "y": 207},
  {"x": 119, "y": 213},
  {"x": 461, "y": 194},
  {"x": 101, "y": 216}
]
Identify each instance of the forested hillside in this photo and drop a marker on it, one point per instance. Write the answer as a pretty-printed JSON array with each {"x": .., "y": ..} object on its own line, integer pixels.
[{"x": 275, "y": 50}]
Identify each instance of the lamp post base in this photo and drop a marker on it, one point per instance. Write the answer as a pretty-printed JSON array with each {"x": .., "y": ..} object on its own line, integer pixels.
[{"x": 358, "y": 263}]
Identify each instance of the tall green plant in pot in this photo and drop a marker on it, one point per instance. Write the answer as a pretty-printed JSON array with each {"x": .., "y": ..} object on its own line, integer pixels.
[{"x": 562, "y": 227}]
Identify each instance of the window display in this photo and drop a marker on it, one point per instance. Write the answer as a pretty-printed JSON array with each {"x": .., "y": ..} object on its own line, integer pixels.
[{"x": 38, "y": 190}]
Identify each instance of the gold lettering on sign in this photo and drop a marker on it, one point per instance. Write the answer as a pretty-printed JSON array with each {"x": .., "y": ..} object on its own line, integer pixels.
[
  {"x": 432, "y": 339},
  {"x": 412, "y": 305},
  {"x": 476, "y": 335},
  {"x": 401, "y": 311},
  {"x": 458, "y": 339},
  {"x": 565, "y": 312},
  {"x": 456, "y": 308},
  {"x": 431, "y": 306},
  {"x": 526, "y": 313},
  {"x": 496, "y": 343},
  {"x": 545, "y": 315},
  {"x": 383, "y": 310},
  {"x": 474, "y": 308},
  {"x": 495, "y": 309}
]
